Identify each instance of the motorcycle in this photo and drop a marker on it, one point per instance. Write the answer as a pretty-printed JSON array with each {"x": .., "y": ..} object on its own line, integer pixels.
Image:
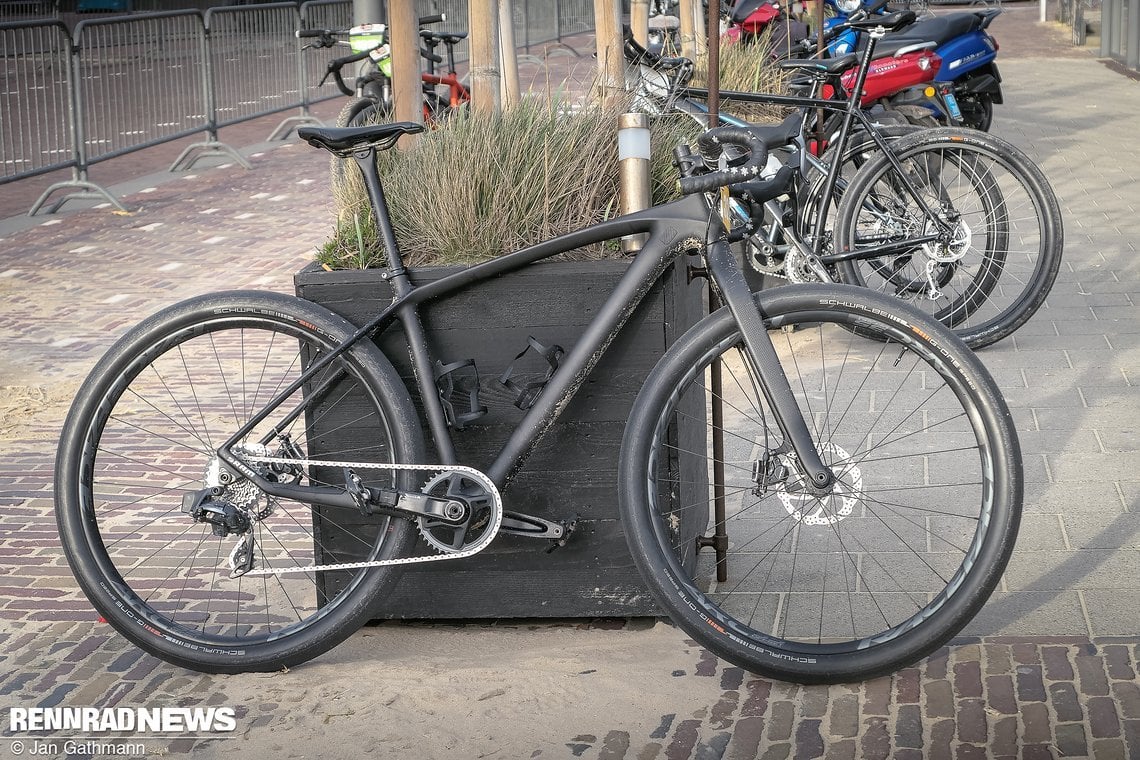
[
  {"x": 966, "y": 78},
  {"x": 747, "y": 20}
]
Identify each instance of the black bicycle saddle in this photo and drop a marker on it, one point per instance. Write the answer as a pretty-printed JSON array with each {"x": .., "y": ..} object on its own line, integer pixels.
[{"x": 348, "y": 139}]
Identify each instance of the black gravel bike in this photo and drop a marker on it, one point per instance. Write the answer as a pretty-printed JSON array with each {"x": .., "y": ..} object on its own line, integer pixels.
[{"x": 848, "y": 462}]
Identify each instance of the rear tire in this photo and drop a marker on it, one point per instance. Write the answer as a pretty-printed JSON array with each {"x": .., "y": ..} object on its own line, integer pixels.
[
  {"x": 1008, "y": 241},
  {"x": 142, "y": 437}
]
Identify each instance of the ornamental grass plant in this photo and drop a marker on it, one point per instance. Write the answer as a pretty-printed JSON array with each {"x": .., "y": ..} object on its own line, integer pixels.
[
  {"x": 480, "y": 185},
  {"x": 747, "y": 68}
]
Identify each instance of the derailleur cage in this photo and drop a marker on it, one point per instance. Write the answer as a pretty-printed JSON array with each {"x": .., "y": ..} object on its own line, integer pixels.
[{"x": 223, "y": 517}]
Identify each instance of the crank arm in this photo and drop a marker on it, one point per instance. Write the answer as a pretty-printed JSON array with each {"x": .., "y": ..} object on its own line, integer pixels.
[
  {"x": 415, "y": 504},
  {"x": 368, "y": 500},
  {"x": 518, "y": 524}
]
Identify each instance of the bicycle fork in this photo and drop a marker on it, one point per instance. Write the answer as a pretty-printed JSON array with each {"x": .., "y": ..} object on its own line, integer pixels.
[{"x": 774, "y": 385}]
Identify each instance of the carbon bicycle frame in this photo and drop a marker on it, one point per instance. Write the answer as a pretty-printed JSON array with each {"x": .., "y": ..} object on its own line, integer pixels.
[{"x": 672, "y": 229}]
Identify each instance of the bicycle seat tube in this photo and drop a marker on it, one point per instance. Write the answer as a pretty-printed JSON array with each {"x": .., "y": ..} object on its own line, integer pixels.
[{"x": 402, "y": 286}]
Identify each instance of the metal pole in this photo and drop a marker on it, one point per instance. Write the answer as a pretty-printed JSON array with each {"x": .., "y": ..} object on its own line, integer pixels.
[
  {"x": 1106, "y": 27},
  {"x": 633, "y": 163},
  {"x": 720, "y": 533},
  {"x": 1132, "y": 54}
]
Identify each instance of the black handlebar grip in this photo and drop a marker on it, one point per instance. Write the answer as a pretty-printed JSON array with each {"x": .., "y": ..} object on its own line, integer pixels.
[
  {"x": 435, "y": 18},
  {"x": 711, "y": 144},
  {"x": 431, "y": 56},
  {"x": 302, "y": 33}
]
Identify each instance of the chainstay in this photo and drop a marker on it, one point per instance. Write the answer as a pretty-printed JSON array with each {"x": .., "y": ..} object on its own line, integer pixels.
[{"x": 434, "y": 469}]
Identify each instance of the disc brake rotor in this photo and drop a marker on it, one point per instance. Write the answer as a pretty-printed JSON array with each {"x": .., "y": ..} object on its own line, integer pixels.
[{"x": 811, "y": 509}]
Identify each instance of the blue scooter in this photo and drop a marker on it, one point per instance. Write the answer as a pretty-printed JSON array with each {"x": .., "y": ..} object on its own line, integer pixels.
[{"x": 968, "y": 79}]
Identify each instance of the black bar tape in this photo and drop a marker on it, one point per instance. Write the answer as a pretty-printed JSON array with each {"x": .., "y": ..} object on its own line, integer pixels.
[{"x": 711, "y": 145}]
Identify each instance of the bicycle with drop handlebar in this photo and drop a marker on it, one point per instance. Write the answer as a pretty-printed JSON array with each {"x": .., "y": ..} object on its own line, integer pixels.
[
  {"x": 958, "y": 222},
  {"x": 372, "y": 91}
]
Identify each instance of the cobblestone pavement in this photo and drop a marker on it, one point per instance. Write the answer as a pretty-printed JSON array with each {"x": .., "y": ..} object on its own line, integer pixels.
[{"x": 1048, "y": 669}]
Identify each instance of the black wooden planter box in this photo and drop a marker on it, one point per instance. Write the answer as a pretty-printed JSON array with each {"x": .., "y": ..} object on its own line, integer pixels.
[{"x": 573, "y": 470}]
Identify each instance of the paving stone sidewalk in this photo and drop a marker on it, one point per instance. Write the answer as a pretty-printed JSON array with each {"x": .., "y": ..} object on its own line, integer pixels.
[{"x": 1047, "y": 670}]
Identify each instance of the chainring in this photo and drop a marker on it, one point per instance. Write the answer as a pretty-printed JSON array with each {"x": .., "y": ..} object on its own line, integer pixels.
[{"x": 485, "y": 511}]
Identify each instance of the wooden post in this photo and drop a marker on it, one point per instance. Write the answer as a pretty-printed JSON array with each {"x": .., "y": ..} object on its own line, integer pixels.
[
  {"x": 407, "y": 96},
  {"x": 688, "y": 12},
  {"x": 639, "y": 21},
  {"x": 483, "y": 23},
  {"x": 611, "y": 60},
  {"x": 700, "y": 37},
  {"x": 508, "y": 54}
]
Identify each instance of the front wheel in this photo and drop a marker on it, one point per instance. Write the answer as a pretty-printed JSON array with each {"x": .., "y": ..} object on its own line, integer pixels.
[
  {"x": 881, "y": 569},
  {"x": 163, "y": 536}
]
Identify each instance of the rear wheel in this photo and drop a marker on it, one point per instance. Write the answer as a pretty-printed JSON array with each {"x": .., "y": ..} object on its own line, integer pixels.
[
  {"x": 141, "y": 491},
  {"x": 977, "y": 111},
  {"x": 999, "y": 219},
  {"x": 888, "y": 564}
]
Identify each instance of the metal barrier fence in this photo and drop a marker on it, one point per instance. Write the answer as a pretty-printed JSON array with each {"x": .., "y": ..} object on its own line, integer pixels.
[
  {"x": 321, "y": 14},
  {"x": 121, "y": 84},
  {"x": 140, "y": 82},
  {"x": 252, "y": 73},
  {"x": 35, "y": 93},
  {"x": 1120, "y": 31}
]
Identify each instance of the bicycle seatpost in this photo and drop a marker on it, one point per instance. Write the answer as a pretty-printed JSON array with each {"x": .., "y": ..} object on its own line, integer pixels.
[
  {"x": 450, "y": 56},
  {"x": 366, "y": 160},
  {"x": 430, "y": 43}
]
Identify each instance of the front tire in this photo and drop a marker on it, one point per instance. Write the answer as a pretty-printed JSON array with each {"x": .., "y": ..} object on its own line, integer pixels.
[
  {"x": 863, "y": 580},
  {"x": 142, "y": 437}
]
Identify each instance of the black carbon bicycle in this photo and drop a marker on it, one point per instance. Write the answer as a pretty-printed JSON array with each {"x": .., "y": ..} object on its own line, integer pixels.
[{"x": 854, "y": 462}]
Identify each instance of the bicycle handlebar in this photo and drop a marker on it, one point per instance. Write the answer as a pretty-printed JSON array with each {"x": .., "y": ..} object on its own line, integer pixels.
[
  {"x": 711, "y": 145},
  {"x": 435, "y": 18}
]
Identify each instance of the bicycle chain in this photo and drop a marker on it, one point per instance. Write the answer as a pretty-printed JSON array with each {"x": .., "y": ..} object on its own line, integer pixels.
[{"x": 436, "y": 469}]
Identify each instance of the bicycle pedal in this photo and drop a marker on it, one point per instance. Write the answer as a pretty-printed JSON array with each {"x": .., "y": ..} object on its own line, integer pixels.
[{"x": 568, "y": 530}]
